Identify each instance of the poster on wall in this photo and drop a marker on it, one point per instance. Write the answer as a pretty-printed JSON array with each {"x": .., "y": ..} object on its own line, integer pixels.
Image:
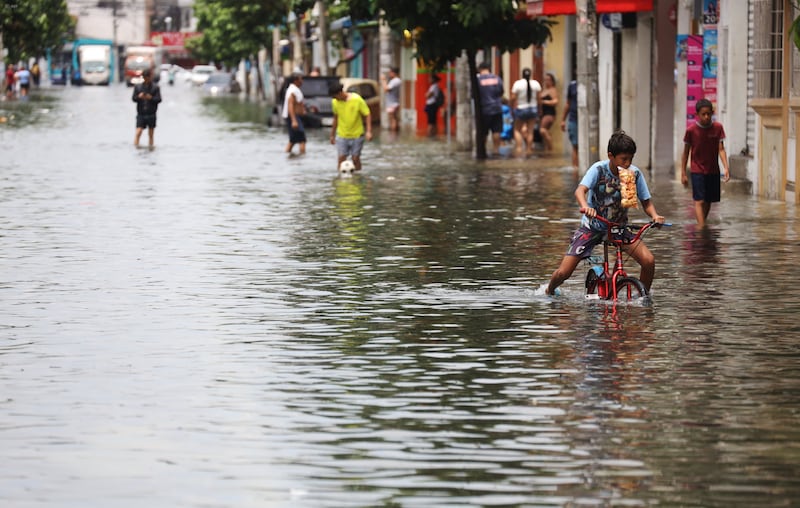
[
  {"x": 681, "y": 48},
  {"x": 710, "y": 54},
  {"x": 710, "y": 65},
  {"x": 694, "y": 75},
  {"x": 710, "y": 12}
]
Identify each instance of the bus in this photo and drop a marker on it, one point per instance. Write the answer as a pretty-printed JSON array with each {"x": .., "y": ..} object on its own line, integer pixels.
[{"x": 64, "y": 66}]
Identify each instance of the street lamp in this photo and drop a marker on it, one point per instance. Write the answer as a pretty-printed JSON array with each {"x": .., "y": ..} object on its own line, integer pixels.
[{"x": 168, "y": 22}]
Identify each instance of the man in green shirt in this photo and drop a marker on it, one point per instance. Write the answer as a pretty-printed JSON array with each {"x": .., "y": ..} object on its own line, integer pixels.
[{"x": 351, "y": 118}]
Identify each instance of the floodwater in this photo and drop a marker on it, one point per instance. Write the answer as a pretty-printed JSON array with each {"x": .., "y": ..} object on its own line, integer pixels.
[{"x": 213, "y": 324}]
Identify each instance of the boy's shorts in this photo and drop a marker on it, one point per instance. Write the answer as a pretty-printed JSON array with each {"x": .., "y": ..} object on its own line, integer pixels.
[
  {"x": 584, "y": 240},
  {"x": 143, "y": 121},
  {"x": 349, "y": 146},
  {"x": 705, "y": 187}
]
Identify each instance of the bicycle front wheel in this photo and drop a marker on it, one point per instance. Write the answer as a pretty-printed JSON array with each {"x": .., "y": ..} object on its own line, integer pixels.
[{"x": 630, "y": 289}]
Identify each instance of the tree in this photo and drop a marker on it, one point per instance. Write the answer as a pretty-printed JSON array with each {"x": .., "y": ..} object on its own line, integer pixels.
[
  {"x": 234, "y": 29},
  {"x": 443, "y": 31},
  {"x": 30, "y": 27}
]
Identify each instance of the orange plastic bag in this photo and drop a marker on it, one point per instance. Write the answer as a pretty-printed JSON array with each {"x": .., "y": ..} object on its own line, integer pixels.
[{"x": 627, "y": 181}]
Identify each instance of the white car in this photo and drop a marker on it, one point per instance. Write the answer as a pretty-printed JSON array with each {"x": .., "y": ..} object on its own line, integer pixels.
[{"x": 200, "y": 74}]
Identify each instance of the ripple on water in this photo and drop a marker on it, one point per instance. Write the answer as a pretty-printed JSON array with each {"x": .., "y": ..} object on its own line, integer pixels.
[{"x": 211, "y": 323}]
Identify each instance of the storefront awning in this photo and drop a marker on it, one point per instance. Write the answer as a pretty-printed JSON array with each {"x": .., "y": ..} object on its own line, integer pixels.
[{"x": 556, "y": 7}]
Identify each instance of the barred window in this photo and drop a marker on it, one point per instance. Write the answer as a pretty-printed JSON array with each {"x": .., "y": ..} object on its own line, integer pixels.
[
  {"x": 768, "y": 48},
  {"x": 795, "y": 59}
]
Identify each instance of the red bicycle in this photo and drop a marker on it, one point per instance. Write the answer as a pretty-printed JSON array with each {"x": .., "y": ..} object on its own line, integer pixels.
[{"x": 603, "y": 283}]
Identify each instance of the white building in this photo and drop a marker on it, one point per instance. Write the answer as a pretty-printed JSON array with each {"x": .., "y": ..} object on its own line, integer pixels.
[{"x": 129, "y": 22}]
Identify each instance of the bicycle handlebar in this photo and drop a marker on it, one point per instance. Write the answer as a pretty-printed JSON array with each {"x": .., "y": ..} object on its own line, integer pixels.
[{"x": 609, "y": 223}]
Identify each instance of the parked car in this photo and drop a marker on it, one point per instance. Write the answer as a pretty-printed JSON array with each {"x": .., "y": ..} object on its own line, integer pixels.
[
  {"x": 369, "y": 90},
  {"x": 200, "y": 74},
  {"x": 317, "y": 99},
  {"x": 221, "y": 83}
]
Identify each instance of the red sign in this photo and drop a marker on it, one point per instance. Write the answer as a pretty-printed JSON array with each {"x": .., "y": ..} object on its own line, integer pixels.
[
  {"x": 556, "y": 7},
  {"x": 171, "y": 38}
]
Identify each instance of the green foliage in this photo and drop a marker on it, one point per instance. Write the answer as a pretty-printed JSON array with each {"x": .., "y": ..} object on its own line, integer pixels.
[
  {"x": 794, "y": 31},
  {"x": 234, "y": 29},
  {"x": 443, "y": 30},
  {"x": 360, "y": 9},
  {"x": 31, "y": 27},
  {"x": 299, "y": 7}
]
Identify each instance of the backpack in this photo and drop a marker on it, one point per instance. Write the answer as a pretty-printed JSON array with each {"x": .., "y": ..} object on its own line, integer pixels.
[{"x": 438, "y": 99}]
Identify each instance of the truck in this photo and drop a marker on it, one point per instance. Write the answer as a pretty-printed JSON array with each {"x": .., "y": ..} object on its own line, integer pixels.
[
  {"x": 94, "y": 62},
  {"x": 140, "y": 58}
]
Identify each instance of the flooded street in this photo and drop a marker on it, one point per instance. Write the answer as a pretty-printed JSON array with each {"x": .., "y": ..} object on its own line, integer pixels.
[{"x": 213, "y": 324}]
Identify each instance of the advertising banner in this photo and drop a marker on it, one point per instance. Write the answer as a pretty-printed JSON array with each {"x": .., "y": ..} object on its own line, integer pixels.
[
  {"x": 694, "y": 75},
  {"x": 710, "y": 12}
]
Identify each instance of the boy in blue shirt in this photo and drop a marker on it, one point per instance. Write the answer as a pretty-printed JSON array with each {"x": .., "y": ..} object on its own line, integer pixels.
[{"x": 599, "y": 193}]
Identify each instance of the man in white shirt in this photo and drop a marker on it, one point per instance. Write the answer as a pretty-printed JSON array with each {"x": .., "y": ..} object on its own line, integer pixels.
[{"x": 292, "y": 109}]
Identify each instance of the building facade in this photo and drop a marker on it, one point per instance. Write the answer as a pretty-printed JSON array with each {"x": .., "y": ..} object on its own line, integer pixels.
[
  {"x": 130, "y": 22},
  {"x": 745, "y": 62}
]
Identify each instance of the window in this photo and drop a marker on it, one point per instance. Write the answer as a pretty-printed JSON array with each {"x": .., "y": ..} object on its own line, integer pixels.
[
  {"x": 768, "y": 48},
  {"x": 365, "y": 90},
  {"x": 795, "y": 59}
]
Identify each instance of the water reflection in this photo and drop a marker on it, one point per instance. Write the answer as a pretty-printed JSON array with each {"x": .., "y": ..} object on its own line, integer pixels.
[{"x": 230, "y": 327}]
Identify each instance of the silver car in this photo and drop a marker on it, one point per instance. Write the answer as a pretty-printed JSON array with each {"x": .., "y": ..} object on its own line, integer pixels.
[{"x": 221, "y": 83}]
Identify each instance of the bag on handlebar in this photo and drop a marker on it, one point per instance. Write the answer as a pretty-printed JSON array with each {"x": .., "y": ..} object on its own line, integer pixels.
[{"x": 627, "y": 184}]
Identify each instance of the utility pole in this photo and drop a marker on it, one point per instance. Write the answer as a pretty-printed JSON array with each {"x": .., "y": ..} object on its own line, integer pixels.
[
  {"x": 2, "y": 64},
  {"x": 114, "y": 52},
  {"x": 385, "y": 61},
  {"x": 323, "y": 38},
  {"x": 296, "y": 31},
  {"x": 588, "y": 93},
  {"x": 465, "y": 119}
]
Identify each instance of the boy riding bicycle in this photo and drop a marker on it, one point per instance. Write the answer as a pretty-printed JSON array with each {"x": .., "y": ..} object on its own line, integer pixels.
[{"x": 600, "y": 193}]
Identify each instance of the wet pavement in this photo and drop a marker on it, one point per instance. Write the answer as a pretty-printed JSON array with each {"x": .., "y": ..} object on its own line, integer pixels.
[{"x": 213, "y": 324}]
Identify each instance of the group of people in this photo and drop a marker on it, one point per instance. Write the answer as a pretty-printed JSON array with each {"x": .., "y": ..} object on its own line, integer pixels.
[
  {"x": 352, "y": 121},
  {"x": 21, "y": 78},
  {"x": 532, "y": 108},
  {"x": 599, "y": 192}
]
